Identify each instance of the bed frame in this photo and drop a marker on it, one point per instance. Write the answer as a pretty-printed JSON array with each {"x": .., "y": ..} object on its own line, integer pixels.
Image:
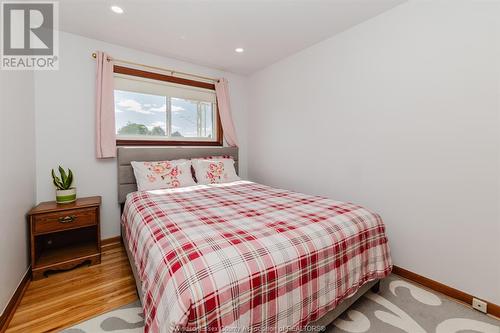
[{"x": 127, "y": 184}]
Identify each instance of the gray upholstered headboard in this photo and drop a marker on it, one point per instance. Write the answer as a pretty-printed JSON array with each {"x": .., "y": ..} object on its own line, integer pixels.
[{"x": 126, "y": 178}]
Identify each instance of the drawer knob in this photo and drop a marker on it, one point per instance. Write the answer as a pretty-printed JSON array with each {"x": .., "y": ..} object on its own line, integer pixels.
[{"x": 67, "y": 219}]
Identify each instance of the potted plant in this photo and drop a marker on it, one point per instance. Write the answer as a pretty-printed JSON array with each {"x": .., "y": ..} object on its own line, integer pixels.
[{"x": 64, "y": 192}]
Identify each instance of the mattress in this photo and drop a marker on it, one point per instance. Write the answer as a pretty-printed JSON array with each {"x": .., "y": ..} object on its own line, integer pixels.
[{"x": 243, "y": 256}]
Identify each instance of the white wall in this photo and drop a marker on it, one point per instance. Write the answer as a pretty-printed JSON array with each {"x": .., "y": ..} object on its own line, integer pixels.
[
  {"x": 65, "y": 121},
  {"x": 399, "y": 114},
  {"x": 17, "y": 176}
]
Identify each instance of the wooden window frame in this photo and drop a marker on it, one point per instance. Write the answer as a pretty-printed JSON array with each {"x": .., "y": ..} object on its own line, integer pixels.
[{"x": 178, "y": 80}]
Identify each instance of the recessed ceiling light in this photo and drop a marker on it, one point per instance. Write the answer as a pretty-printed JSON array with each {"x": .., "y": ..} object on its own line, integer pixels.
[
  {"x": 117, "y": 9},
  {"x": 239, "y": 50}
]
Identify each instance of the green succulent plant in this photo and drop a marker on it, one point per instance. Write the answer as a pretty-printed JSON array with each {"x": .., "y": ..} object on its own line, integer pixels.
[{"x": 64, "y": 181}]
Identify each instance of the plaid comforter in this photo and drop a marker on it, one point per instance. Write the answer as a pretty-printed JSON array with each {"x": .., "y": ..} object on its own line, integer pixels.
[{"x": 244, "y": 256}]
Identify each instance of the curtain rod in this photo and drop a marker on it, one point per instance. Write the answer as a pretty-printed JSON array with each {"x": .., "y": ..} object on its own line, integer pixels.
[{"x": 172, "y": 72}]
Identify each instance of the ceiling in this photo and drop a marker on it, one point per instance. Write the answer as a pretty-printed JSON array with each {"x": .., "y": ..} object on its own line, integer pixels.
[{"x": 206, "y": 32}]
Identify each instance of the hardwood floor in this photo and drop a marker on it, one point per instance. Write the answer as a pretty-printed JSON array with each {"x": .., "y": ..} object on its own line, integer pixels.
[{"x": 64, "y": 299}]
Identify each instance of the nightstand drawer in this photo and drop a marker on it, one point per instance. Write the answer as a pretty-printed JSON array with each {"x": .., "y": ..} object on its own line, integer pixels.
[{"x": 64, "y": 220}]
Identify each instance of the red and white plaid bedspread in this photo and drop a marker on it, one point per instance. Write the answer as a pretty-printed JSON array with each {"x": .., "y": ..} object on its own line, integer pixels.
[{"x": 248, "y": 256}]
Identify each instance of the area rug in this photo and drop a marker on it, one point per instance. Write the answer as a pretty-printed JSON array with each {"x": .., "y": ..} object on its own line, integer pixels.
[{"x": 400, "y": 306}]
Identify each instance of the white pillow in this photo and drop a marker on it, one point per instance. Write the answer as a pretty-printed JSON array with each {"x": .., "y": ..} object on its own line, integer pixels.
[
  {"x": 214, "y": 170},
  {"x": 162, "y": 174}
]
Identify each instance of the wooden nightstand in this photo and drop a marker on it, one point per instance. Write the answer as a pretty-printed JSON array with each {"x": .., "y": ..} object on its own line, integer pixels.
[{"x": 64, "y": 236}]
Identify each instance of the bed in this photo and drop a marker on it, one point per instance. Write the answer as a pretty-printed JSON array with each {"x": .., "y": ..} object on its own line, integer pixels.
[{"x": 243, "y": 256}]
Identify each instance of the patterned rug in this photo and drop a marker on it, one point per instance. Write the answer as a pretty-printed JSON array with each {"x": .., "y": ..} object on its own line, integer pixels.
[{"x": 400, "y": 306}]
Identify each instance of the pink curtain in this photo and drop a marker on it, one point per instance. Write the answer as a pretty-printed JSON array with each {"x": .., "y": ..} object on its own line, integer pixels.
[
  {"x": 222, "y": 92},
  {"x": 105, "y": 107}
]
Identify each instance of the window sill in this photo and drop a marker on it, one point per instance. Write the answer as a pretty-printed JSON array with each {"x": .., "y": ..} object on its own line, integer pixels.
[{"x": 167, "y": 143}]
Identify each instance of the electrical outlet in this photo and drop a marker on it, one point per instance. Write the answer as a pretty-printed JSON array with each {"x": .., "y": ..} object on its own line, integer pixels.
[{"x": 479, "y": 305}]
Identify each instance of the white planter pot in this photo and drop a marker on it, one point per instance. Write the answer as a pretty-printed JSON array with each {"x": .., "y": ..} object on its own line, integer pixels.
[{"x": 66, "y": 196}]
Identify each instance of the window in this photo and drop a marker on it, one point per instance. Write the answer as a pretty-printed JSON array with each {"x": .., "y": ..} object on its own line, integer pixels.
[{"x": 149, "y": 110}]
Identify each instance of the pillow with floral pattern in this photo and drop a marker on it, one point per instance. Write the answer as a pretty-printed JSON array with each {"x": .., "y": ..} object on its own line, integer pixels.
[
  {"x": 214, "y": 170},
  {"x": 159, "y": 175}
]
